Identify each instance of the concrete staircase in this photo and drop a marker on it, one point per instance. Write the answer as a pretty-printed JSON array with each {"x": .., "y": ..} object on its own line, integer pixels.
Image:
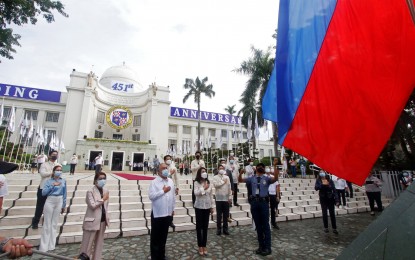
[{"x": 130, "y": 207}]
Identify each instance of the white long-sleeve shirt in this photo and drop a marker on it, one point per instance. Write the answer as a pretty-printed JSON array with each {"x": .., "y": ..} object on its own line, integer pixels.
[
  {"x": 195, "y": 165},
  {"x": 163, "y": 204},
  {"x": 45, "y": 172},
  {"x": 223, "y": 190}
]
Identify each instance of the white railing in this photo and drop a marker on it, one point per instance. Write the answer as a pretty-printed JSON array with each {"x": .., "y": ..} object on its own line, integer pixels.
[{"x": 391, "y": 186}]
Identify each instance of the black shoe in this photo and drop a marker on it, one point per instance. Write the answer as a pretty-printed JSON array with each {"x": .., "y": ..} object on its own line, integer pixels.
[
  {"x": 266, "y": 252},
  {"x": 35, "y": 227},
  {"x": 173, "y": 226},
  {"x": 225, "y": 232},
  {"x": 326, "y": 230},
  {"x": 258, "y": 251},
  {"x": 275, "y": 226},
  {"x": 236, "y": 204},
  {"x": 218, "y": 232},
  {"x": 335, "y": 231}
]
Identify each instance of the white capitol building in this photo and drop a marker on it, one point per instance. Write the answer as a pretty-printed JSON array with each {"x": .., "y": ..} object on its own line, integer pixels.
[{"x": 118, "y": 117}]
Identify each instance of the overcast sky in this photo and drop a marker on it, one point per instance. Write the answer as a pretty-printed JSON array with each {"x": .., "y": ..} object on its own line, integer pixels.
[{"x": 163, "y": 41}]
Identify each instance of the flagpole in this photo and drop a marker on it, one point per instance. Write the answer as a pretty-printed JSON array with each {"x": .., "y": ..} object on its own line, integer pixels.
[
  {"x": 2, "y": 139},
  {"x": 18, "y": 148},
  {"x": 5, "y": 146},
  {"x": 14, "y": 144}
]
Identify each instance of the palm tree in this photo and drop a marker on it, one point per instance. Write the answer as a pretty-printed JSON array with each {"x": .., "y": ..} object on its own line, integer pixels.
[
  {"x": 230, "y": 109},
  {"x": 258, "y": 68},
  {"x": 197, "y": 88}
]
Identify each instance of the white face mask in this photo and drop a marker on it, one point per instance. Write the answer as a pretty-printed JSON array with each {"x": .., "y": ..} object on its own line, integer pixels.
[
  {"x": 267, "y": 170},
  {"x": 204, "y": 175},
  {"x": 251, "y": 163},
  {"x": 168, "y": 162},
  {"x": 222, "y": 172}
]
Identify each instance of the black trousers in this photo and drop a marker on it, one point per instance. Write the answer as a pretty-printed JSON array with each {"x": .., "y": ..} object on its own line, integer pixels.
[
  {"x": 158, "y": 237},
  {"x": 374, "y": 196},
  {"x": 222, "y": 212},
  {"x": 98, "y": 168},
  {"x": 40, "y": 203},
  {"x": 202, "y": 224},
  {"x": 273, "y": 203},
  {"x": 342, "y": 196},
  {"x": 235, "y": 193},
  {"x": 72, "y": 168},
  {"x": 328, "y": 205},
  {"x": 350, "y": 193}
]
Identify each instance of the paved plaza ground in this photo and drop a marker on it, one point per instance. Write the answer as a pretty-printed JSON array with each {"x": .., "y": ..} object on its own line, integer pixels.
[{"x": 301, "y": 239}]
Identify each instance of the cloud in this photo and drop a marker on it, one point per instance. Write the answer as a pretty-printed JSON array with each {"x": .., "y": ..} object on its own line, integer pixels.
[{"x": 163, "y": 41}]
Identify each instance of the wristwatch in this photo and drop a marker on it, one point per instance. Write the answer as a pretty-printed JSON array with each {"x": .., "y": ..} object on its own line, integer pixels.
[{"x": 3, "y": 243}]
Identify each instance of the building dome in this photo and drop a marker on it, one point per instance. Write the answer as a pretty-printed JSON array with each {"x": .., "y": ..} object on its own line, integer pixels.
[{"x": 121, "y": 79}]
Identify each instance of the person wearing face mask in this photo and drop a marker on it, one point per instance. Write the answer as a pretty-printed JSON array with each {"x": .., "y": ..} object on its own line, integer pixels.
[
  {"x": 405, "y": 180},
  {"x": 175, "y": 177},
  {"x": 45, "y": 171},
  {"x": 223, "y": 195},
  {"x": 259, "y": 200},
  {"x": 233, "y": 167},
  {"x": 163, "y": 200},
  {"x": 249, "y": 169},
  {"x": 373, "y": 188},
  {"x": 55, "y": 191},
  {"x": 328, "y": 198},
  {"x": 195, "y": 165},
  {"x": 96, "y": 218},
  {"x": 203, "y": 207}
]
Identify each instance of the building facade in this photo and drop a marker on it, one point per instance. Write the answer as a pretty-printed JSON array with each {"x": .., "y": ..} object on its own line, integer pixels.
[{"x": 115, "y": 116}]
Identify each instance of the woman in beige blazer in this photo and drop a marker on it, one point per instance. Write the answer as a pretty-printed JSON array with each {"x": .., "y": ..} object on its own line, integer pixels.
[{"x": 96, "y": 218}]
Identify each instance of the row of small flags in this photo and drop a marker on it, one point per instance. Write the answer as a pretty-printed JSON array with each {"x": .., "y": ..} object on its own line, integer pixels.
[{"x": 27, "y": 129}]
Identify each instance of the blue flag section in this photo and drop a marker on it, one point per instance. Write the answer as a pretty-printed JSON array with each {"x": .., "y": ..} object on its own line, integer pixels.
[{"x": 302, "y": 26}]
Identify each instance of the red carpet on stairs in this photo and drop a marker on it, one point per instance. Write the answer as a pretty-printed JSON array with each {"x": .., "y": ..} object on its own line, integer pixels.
[{"x": 134, "y": 177}]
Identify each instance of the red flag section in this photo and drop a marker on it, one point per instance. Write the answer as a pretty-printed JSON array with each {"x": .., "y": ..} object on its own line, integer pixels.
[{"x": 362, "y": 78}]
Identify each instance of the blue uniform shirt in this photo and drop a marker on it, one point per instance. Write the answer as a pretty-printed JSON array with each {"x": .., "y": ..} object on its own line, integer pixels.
[
  {"x": 50, "y": 190},
  {"x": 264, "y": 182}
]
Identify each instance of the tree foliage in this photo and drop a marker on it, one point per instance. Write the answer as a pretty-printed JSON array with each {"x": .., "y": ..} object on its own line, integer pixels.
[
  {"x": 196, "y": 88},
  {"x": 258, "y": 68},
  {"x": 230, "y": 109},
  {"x": 20, "y": 12},
  {"x": 399, "y": 152}
]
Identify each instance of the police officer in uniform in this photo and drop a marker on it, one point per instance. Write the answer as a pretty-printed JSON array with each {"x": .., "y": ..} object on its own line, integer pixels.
[{"x": 258, "y": 186}]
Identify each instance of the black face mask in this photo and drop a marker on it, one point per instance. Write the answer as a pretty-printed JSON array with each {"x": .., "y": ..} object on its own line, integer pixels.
[
  {"x": 260, "y": 170},
  {"x": 54, "y": 157},
  {"x": 197, "y": 157}
]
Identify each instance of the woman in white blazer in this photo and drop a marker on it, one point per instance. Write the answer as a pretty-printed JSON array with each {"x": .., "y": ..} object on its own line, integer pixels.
[{"x": 96, "y": 218}]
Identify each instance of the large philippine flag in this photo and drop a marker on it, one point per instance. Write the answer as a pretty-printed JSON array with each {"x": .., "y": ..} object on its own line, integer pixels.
[{"x": 343, "y": 72}]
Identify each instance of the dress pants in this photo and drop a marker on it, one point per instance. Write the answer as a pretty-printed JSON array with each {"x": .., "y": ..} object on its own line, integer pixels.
[
  {"x": 235, "y": 193},
  {"x": 202, "y": 224},
  {"x": 72, "y": 168},
  {"x": 222, "y": 212},
  {"x": 328, "y": 204},
  {"x": 158, "y": 237},
  {"x": 51, "y": 212},
  {"x": 93, "y": 238},
  {"x": 342, "y": 196},
  {"x": 260, "y": 214},
  {"x": 40, "y": 203},
  {"x": 374, "y": 196},
  {"x": 98, "y": 168},
  {"x": 273, "y": 203}
]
